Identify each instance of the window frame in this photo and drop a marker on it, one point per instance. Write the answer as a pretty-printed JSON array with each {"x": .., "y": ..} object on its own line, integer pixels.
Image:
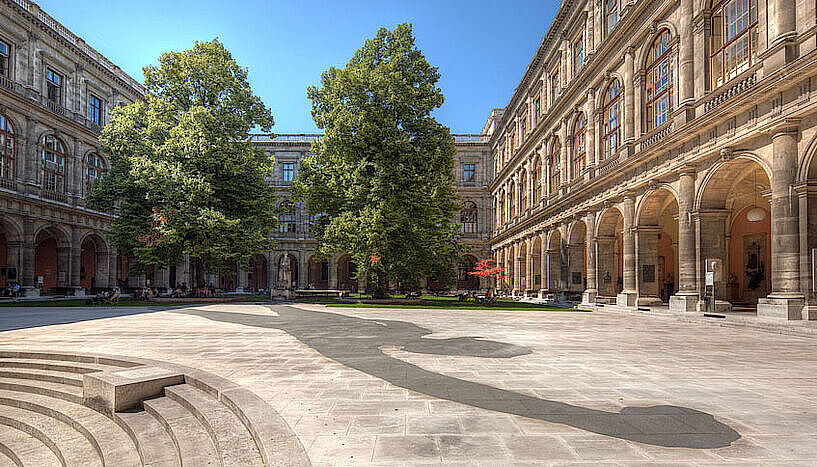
[
  {"x": 536, "y": 173},
  {"x": 469, "y": 217},
  {"x": 98, "y": 166},
  {"x": 288, "y": 218},
  {"x": 609, "y": 132},
  {"x": 60, "y": 155},
  {"x": 49, "y": 83},
  {"x": 750, "y": 32},
  {"x": 578, "y": 160},
  {"x": 555, "y": 166},
  {"x": 95, "y": 117},
  {"x": 287, "y": 171},
  {"x": 5, "y": 59},
  {"x": 8, "y": 148},
  {"x": 578, "y": 54},
  {"x": 652, "y": 67},
  {"x": 469, "y": 168}
]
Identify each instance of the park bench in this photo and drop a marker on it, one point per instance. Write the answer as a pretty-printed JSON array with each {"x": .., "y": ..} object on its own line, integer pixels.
[{"x": 319, "y": 293}]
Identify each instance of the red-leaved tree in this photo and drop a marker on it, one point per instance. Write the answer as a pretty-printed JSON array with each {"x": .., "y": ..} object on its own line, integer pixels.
[{"x": 488, "y": 270}]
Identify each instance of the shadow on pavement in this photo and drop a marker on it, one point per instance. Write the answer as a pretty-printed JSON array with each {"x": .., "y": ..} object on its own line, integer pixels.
[
  {"x": 356, "y": 342},
  {"x": 12, "y": 318}
]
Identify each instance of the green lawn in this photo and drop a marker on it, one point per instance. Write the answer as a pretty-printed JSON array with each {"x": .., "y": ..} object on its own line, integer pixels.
[
  {"x": 80, "y": 302},
  {"x": 434, "y": 302}
]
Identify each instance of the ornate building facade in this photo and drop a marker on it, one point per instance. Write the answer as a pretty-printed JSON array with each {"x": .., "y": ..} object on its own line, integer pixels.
[
  {"x": 651, "y": 142},
  {"x": 55, "y": 95}
]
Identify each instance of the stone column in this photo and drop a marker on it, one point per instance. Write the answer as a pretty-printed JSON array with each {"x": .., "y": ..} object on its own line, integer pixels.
[
  {"x": 781, "y": 47},
  {"x": 810, "y": 309},
  {"x": 30, "y": 175},
  {"x": 75, "y": 262},
  {"x": 687, "y": 297},
  {"x": 590, "y": 44},
  {"x": 700, "y": 33},
  {"x": 240, "y": 278},
  {"x": 543, "y": 265},
  {"x": 589, "y": 295},
  {"x": 686, "y": 62},
  {"x": 629, "y": 98},
  {"x": 628, "y": 295},
  {"x": 519, "y": 267},
  {"x": 786, "y": 300},
  {"x": 590, "y": 150}
]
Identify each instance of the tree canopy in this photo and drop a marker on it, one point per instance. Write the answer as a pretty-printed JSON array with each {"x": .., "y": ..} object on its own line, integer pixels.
[
  {"x": 184, "y": 177},
  {"x": 381, "y": 179}
]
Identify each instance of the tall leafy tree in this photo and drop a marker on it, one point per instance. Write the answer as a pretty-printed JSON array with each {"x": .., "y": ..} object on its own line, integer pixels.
[
  {"x": 381, "y": 178},
  {"x": 184, "y": 177}
]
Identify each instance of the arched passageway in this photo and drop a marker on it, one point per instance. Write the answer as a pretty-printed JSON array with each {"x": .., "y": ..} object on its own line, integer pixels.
[
  {"x": 610, "y": 258},
  {"x": 51, "y": 254},
  {"x": 93, "y": 270},
  {"x": 521, "y": 282},
  {"x": 536, "y": 259},
  {"x": 735, "y": 219},
  {"x": 577, "y": 259},
  {"x": 347, "y": 273},
  {"x": 554, "y": 258},
  {"x": 465, "y": 280},
  {"x": 318, "y": 273},
  {"x": 657, "y": 247},
  {"x": 257, "y": 274},
  {"x": 228, "y": 278}
]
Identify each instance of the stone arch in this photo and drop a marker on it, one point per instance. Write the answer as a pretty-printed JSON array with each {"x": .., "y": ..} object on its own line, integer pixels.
[
  {"x": 730, "y": 191},
  {"x": 807, "y": 168},
  {"x": 317, "y": 272},
  {"x": 466, "y": 281},
  {"x": 536, "y": 259},
  {"x": 577, "y": 257},
  {"x": 257, "y": 274},
  {"x": 554, "y": 259},
  {"x": 657, "y": 246},
  {"x": 11, "y": 235},
  {"x": 610, "y": 255},
  {"x": 347, "y": 268},
  {"x": 713, "y": 173},
  {"x": 52, "y": 248},
  {"x": 647, "y": 37},
  {"x": 94, "y": 268}
]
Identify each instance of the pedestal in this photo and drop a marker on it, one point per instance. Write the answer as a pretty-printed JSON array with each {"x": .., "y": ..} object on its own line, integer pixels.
[
  {"x": 626, "y": 299},
  {"x": 683, "y": 303},
  {"x": 780, "y": 308},
  {"x": 79, "y": 291},
  {"x": 648, "y": 301},
  {"x": 589, "y": 297}
]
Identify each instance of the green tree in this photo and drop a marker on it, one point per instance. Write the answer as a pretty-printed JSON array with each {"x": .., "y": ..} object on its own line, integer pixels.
[
  {"x": 381, "y": 178},
  {"x": 184, "y": 176}
]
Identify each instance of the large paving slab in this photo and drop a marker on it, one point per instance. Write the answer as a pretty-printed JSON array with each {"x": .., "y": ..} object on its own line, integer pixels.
[{"x": 425, "y": 387}]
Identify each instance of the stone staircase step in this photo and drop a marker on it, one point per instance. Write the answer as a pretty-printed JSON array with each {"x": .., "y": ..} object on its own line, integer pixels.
[
  {"x": 153, "y": 442},
  {"x": 230, "y": 436},
  {"x": 27, "y": 450},
  {"x": 193, "y": 443},
  {"x": 74, "y": 447},
  {"x": 56, "y": 390},
  {"x": 53, "y": 365},
  {"x": 42, "y": 375},
  {"x": 111, "y": 442}
]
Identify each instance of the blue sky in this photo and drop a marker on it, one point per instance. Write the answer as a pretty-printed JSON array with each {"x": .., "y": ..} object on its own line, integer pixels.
[{"x": 481, "y": 47}]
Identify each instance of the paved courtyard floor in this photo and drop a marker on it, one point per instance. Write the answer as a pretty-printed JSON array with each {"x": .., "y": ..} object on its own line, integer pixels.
[{"x": 426, "y": 387}]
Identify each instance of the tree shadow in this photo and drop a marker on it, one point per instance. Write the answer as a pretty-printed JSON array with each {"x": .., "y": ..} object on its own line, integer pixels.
[
  {"x": 356, "y": 343},
  {"x": 14, "y": 318}
]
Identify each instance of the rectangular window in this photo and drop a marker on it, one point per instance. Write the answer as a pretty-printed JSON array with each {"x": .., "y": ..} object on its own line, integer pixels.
[
  {"x": 554, "y": 86},
  {"x": 537, "y": 109},
  {"x": 94, "y": 109},
  {"x": 578, "y": 56},
  {"x": 4, "y": 59},
  {"x": 468, "y": 172},
  {"x": 54, "y": 83},
  {"x": 288, "y": 171}
]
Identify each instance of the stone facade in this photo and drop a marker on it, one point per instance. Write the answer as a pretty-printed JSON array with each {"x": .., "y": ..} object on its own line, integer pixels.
[
  {"x": 639, "y": 151},
  {"x": 55, "y": 94}
]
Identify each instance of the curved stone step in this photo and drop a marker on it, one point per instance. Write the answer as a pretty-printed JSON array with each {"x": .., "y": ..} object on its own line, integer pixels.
[
  {"x": 45, "y": 388},
  {"x": 231, "y": 438},
  {"x": 54, "y": 365},
  {"x": 73, "y": 447},
  {"x": 42, "y": 375},
  {"x": 193, "y": 443},
  {"x": 111, "y": 442},
  {"x": 153, "y": 442},
  {"x": 108, "y": 362},
  {"x": 26, "y": 449}
]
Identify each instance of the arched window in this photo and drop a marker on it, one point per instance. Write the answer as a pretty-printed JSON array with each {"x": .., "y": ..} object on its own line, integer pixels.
[
  {"x": 6, "y": 148},
  {"x": 512, "y": 200},
  {"x": 468, "y": 217},
  {"x": 612, "y": 120},
  {"x": 658, "y": 92},
  {"x": 610, "y": 16},
  {"x": 555, "y": 166},
  {"x": 502, "y": 209},
  {"x": 578, "y": 147},
  {"x": 286, "y": 223},
  {"x": 53, "y": 161},
  {"x": 94, "y": 169},
  {"x": 523, "y": 191},
  {"x": 733, "y": 44},
  {"x": 537, "y": 180}
]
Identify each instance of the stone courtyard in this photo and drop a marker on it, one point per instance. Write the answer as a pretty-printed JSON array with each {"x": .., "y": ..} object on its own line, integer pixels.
[{"x": 426, "y": 387}]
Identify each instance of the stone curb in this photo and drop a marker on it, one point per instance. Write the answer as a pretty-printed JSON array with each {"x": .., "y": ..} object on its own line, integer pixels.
[{"x": 278, "y": 445}]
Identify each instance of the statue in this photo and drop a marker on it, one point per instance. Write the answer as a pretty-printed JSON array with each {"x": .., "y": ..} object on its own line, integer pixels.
[{"x": 285, "y": 273}]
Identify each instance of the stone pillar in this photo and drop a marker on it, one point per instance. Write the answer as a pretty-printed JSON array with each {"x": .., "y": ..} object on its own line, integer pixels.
[
  {"x": 333, "y": 273},
  {"x": 75, "y": 262},
  {"x": 519, "y": 268},
  {"x": 628, "y": 295},
  {"x": 810, "y": 310},
  {"x": 629, "y": 98},
  {"x": 240, "y": 278},
  {"x": 30, "y": 175},
  {"x": 781, "y": 46},
  {"x": 543, "y": 265},
  {"x": 687, "y": 297},
  {"x": 303, "y": 270},
  {"x": 590, "y": 43},
  {"x": 686, "y": 62},
  {"x": 786, "y": 300},
  {"x": 589, "y": 295},
  {"x": 700, "y": 33},
  {"x": 649, "y": 288},
  {"x": 590, "y": 150}
]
